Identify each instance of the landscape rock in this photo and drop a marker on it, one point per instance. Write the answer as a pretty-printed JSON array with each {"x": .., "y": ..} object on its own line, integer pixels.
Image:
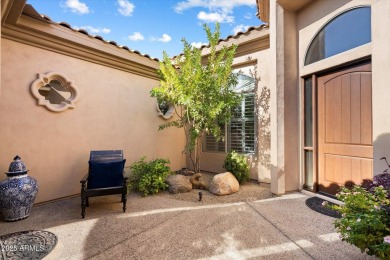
[
  {"x": 224, "y": 184},
  {"x": 198, "y": 182},
  {"x": 186, "y": 172},
  {"x": 178, "y": 184}
]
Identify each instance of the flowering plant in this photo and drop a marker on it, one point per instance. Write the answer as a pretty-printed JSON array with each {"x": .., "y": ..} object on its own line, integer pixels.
[
  {"x": 379, "y": 180},
  {"x": 365, "y": 221}
]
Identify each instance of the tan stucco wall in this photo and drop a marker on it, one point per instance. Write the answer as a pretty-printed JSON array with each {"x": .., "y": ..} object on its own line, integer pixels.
[
  {"x": 284, "y": 101},
  {"x": 291, "y": 102},
  {"x": 114, "y": 111},
  {"x": 257, "y": 62},
  {"x": 380, "y": 81}
]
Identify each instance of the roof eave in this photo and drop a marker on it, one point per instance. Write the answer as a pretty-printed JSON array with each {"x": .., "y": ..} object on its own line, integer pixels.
[{"x": 42, "y": 33}]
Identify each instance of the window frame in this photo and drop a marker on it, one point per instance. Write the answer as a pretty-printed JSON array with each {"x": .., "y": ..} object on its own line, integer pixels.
[
  {"x": 306, "y": 62},
  {"x": 227, "y": 129}
]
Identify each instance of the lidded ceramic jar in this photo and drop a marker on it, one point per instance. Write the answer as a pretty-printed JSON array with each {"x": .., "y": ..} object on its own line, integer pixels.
[
  {"x": 17, "y": 167},
  {"x": 18, "y": 192}
]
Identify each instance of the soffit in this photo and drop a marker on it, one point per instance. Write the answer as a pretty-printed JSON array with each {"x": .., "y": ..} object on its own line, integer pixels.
[
  {"x": 293, "y": 5},
  {"x": 263, "y": 10}
]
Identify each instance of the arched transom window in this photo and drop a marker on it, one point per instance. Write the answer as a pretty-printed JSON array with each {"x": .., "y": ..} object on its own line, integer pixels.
[{"x": 346, "y": 31}]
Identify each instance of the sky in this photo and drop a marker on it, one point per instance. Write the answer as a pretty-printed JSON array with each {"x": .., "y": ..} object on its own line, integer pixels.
[{"x": 152, "y": 26}]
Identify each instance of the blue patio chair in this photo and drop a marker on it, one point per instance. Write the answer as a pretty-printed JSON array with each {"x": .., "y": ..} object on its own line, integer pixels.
[{"x": 105, "y": 177}]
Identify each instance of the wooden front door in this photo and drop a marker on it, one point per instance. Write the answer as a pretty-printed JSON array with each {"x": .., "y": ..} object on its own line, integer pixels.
[{"x": 344, "y": 128}]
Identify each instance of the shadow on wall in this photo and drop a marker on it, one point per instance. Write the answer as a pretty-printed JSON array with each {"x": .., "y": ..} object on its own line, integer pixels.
[
  {"x": 264, "y": 123},
  {"x": 261, "y": 161},
  {"x": 381, "y": 149}
]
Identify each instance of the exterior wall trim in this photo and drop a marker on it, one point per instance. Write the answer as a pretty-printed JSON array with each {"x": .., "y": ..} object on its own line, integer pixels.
[{"x": 61, "y": 40}]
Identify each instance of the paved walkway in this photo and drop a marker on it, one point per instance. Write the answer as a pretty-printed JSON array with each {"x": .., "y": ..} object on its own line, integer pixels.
[{"x": 157, "y": 227}]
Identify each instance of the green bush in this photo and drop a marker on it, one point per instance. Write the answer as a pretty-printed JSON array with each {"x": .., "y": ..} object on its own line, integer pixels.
[
  {"x": 149, "y": 177},
  {"x": 237, "y": 164},
  {"x": 365, "y": 220}
]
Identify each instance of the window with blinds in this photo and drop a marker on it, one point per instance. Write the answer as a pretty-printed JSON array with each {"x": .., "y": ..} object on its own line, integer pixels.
[
  {"x": 242, "y": 127},
  {"x": 212, "y": 145},
  {"x": 241, "y": 130}
]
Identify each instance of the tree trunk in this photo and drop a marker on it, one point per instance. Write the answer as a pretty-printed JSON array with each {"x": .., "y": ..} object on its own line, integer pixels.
[{"x": 198, "y": 153}]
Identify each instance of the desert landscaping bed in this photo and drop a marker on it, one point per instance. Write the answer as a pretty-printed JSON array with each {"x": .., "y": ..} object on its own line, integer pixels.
[{"x": 249, "y": 191}]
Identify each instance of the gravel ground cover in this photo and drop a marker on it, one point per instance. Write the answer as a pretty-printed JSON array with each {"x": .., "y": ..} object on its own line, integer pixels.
[{"x": 249, "y": 191}]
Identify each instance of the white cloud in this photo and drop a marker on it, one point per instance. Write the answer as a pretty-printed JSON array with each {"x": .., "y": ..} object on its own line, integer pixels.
[
  {"x": 240, "y": 28},
  {"x": 198, "y": 44},
  {"x": 219, "y": 10},
  {"x": 93, "y": 30},
  {"x": 77, "y": 7},
  {"x": 224, "y": 5},
  {"x": 136, "y": 36},
  {"x": 125, "y": 7},
  {"x": 248, "y": 16},
  {"x": 165, "y": 38},
  {"x": 215, "y": 17}
]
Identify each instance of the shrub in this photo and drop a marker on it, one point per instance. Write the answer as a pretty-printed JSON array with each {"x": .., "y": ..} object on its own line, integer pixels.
[
  {"x": 237, "y": 165},
  {"x": 149, "y": 177},
  {"x": 379, "y": 180},
  {"x": 365, "y": 220}
]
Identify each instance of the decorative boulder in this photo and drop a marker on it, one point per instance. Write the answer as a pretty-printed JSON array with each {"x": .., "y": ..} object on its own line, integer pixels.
[
  {"x": 186, "y": 172},
  {"x": 198, "y": 182},
  {"x": 224, "y": 184},
  {"x": 178, "y": 184}
]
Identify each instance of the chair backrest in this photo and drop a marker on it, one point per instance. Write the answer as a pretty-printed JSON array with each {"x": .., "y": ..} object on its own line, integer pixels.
[
  {"x": 106, "y": 156},
  {"x": 105, "y": 169}
]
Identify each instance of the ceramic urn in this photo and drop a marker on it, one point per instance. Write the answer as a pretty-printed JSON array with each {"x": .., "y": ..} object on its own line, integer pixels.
[{"x": 18, "y": 192}]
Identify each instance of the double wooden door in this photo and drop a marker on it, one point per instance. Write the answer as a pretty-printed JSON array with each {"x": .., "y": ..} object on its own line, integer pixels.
[{"x": 344, "y": 128}]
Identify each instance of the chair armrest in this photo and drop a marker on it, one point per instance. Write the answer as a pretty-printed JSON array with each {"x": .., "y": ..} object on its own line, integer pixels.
[{"x": 84, "y": 179}]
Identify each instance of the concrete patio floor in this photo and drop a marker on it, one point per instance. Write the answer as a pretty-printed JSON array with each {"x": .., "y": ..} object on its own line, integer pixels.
[{"x": 157, "y": 227}]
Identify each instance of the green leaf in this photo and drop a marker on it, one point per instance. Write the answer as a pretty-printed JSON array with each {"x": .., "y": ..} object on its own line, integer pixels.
[{"x": 202, "y": 93}]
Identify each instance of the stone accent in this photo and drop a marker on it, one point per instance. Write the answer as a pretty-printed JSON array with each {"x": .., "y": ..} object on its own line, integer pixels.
[
  {"x": 178, "y": 184},
  {"x": 224, "y": 184},
  {"x": 198, "y": 182},
  {"x": 186, "y": 172}
]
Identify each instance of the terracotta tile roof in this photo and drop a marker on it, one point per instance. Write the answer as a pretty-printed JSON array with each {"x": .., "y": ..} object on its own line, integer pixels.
[
  {"x": 98, "y": 37},
  {"x": 235, "y": 36},
  {"x": 32, "y": 12}
]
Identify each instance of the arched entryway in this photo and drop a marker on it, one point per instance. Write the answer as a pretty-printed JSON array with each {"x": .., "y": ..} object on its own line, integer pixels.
[{"x": 337, "y": 107}]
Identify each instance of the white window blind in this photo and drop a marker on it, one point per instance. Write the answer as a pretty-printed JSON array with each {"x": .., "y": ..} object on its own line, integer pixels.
[
  {"x": 241, "y": 130},
  {"x": 212, "y": 145}
]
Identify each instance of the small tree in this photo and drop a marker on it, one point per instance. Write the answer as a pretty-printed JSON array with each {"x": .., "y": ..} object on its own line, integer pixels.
[{"x": 202, "y": 94}]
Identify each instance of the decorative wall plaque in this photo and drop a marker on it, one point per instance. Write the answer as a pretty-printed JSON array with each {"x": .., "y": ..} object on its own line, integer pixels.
[{"x": 54, "y": 91}]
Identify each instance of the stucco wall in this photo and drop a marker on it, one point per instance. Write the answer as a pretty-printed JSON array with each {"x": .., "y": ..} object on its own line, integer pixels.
[
  {"x": 257, "y": 62},
  {"x": 381, "y": 81},
  {"x": 114, "y": 111},
  {"x": 291, "y": 103}
]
